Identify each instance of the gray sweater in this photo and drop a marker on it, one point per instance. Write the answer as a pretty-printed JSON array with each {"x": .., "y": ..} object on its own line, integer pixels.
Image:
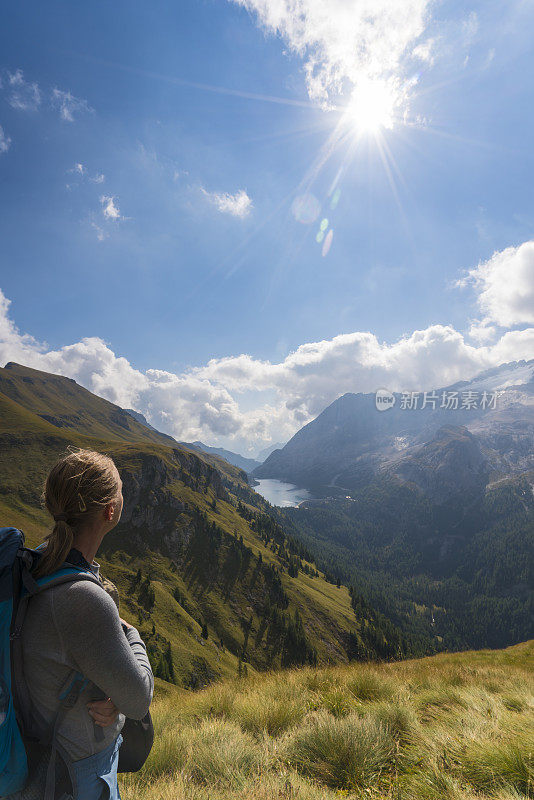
[{"x": 76, "y": 626}]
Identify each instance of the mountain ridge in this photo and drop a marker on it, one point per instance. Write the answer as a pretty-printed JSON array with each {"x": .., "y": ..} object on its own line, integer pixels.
[
  {"x": 350, "y": 442},
  {"x": 244, "y": 463}
]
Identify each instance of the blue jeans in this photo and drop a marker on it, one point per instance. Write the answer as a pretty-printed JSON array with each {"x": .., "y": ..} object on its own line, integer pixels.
[{"x": 96, "y": 776}]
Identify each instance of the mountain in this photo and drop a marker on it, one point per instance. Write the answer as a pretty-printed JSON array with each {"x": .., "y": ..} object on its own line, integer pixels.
[
  {"x": 266, "y": 452},
  {"x": 211, "y": 579},
  {"x": 67, "y": 407},
  {"x": 143, "y": 420},
  {"x": 351, "y": 441},
  {"x": 246, "y": 464},
  {"x": 453, "y": 459},
  {"x": 429, "y": 511}
]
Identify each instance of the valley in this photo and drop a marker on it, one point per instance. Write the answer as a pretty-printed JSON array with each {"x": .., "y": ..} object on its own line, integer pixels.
[
  {"x": 431, "y": 551},
  {"x": 210, "y": 578}
]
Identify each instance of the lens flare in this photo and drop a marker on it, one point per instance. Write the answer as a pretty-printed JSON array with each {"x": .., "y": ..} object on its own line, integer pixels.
[
  {"x": 327, "y": 244},
  {"x": 335, "y": 199},
  {"x": 306, "y": 208}
]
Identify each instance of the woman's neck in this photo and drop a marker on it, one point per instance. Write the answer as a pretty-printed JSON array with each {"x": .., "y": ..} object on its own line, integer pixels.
[{"x": 87, "y": 541}]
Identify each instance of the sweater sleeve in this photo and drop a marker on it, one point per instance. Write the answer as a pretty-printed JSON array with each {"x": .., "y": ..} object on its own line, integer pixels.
[{"x": 88, "y": 623}]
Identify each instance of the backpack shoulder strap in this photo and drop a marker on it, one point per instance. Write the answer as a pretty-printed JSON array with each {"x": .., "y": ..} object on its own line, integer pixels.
[{"x": 29, "y": 587}]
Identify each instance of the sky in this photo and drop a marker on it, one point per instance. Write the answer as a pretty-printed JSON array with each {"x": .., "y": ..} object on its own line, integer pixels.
[{"x": 227, "y": 213}]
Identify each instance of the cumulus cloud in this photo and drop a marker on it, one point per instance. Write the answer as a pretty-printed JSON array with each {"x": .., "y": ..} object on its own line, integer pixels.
[
  {"x": 21, "y": 94},
  {"x": 215, "y": 402},
  {"x": 347, "y": 41},
  {"x": 68, "y": 105},
  {"x": 111, "y": 215},
  {"x": 11, "y": 340},
  {"x": 186, "y": 406},
  {"x": 317, "y": 372},
  {"x": 5, "y": 141},
  {"x": 238, "y": 204},
  {"x": 505, "y": 289},
  {"x": 109, "y": 209}
]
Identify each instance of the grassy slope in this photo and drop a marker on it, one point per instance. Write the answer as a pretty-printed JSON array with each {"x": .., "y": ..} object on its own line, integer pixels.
[
  {"x": 450, "y": 727},
  {"x": 29, "y": 444},
  {"x": 71, "y": 407}
]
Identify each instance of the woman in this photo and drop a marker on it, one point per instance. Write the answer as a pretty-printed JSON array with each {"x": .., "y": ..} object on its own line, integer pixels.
[{"x": 76, "y": 627}]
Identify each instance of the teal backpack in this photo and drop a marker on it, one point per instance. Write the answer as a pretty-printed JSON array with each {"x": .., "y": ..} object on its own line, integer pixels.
[{"x": 20, "y": 739}]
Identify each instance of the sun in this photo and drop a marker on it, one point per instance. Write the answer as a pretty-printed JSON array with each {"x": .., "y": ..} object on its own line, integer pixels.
[{"x": 371, "y": 107}]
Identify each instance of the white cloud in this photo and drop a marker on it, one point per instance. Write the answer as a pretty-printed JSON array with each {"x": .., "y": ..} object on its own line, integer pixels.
[
  {"x": 11, "y": 340},
  {"x": 482, "y": 331},
  {"x": 26, "y": 96},
  {"x": 184, "y": 405},
  {"x": 100, "y": 232},
  {"x": 21, "y": 94},
  {"x": 425, "y": 51},
  {"x": 109, "y": 209},
  {"x": 68, "y": 105},
  {"x": 347, "y": 41},
  {"x": 82, "y": 171},
  {"x": 505, "y": 287},
  {"x": 238, "y": 204},
  {"x": 317, "y": 372},
  {"x": 224, "y": 400},
  {"x": 5, "y": 141}
]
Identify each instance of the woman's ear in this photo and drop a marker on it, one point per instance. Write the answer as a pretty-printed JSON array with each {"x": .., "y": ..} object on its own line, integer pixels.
[{"x": 108, "y": 512}]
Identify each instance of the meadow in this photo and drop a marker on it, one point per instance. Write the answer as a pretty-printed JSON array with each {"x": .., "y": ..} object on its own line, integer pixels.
[{"x": 449, "y": 727}]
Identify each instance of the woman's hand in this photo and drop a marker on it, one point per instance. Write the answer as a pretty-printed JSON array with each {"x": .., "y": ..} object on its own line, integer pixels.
[
  {"x": 104, "y": 712},
  {"x": 126, "y": 624}
]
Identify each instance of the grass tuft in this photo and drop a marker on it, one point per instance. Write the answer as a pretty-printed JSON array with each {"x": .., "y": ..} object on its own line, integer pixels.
[
  {"x": 343, "y": 753},
  {"x": 488, "y": 766},
  {"x": 367, "y": 685}
]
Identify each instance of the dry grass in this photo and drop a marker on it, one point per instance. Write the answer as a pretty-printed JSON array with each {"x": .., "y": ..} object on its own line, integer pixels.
[{"x": 452, "y": 727}]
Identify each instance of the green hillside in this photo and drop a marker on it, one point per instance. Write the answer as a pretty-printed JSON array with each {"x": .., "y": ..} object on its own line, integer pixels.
[
  {"x": 213, "y": 582},
  {"x": 450, "y": 727},
  {"x": 461, "y": 570}
]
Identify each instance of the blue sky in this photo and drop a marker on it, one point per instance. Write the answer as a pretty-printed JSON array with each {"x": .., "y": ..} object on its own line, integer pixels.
[{"x": 152, "y": 157}]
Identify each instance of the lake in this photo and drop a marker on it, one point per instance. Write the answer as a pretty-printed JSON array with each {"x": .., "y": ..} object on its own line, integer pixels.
[{"x": 279, "y": 493}]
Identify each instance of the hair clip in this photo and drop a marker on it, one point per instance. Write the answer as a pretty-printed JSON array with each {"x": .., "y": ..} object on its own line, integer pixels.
[{"x": 83, "y": 507}]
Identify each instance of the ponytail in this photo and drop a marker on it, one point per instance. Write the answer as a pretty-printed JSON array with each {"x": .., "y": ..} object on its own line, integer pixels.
[
  {"x": 58, "y": 545},
  {"x": 77, "y": 489}
]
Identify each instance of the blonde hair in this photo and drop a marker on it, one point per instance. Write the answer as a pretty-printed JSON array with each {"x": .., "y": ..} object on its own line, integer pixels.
[{"x": 78, "y": 487}]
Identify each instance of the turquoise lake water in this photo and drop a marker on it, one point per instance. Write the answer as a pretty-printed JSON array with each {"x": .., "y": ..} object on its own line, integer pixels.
[{"x": 281, "y": 494}]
